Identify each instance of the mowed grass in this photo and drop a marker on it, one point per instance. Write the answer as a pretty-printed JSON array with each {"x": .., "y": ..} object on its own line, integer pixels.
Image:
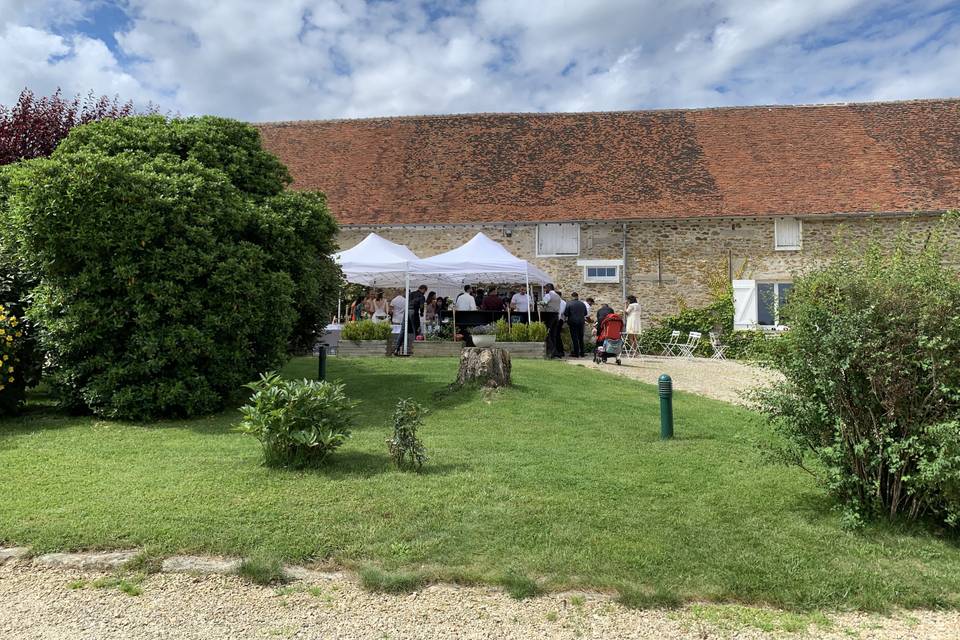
[{"x": 560, "y": 482}]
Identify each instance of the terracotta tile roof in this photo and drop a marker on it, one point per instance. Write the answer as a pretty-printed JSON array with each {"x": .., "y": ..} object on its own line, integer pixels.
[{"x": 854, "y": 158}]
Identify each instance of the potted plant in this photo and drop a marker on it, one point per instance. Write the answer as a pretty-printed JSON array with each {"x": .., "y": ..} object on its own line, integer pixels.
[
  {"x": 439, "y": 342},
  {"x": 522, "y": 340},
  {"x": 484, "y": 336},
  {"x": 365, "y": 338}
]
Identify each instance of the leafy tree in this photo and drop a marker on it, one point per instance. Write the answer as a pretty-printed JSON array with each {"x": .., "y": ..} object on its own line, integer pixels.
[
  {"x": 162, "y": 251},
  {"x": 33, "y": 127},
  {"x": 871, "y": 402}
]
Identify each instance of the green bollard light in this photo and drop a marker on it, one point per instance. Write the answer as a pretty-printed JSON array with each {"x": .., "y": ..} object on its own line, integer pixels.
[
  {"x": 322, "y": 373},
  {"x": 665, "y": 384}
]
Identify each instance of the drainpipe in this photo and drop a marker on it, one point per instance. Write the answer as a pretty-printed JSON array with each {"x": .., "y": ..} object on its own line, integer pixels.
[{"x": 623, "y": 267}]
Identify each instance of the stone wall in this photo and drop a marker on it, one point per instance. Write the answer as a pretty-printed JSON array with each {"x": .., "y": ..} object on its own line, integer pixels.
[{"x": 670, "y": 262}]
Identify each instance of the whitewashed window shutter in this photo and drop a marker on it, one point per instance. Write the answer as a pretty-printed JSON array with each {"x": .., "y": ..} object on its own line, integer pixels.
[{"x": 744, "y": 305}]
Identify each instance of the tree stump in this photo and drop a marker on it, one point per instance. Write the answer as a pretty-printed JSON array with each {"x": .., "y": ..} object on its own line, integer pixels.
[{"x": 488, "y": 367}]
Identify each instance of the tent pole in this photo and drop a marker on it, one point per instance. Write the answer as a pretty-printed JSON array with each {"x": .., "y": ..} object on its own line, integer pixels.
[
  {"x": 406, "y": 314},
  {"x": 527, "y": 269}
]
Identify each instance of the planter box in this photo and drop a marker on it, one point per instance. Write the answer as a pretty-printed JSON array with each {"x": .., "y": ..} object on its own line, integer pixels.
[
  {"x": 524, "y": 349},
  {"x": 433, "y": 349},
  {"x": 364, "y": 348}
]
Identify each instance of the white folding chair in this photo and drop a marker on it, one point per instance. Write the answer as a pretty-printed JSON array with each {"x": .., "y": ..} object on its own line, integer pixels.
[
  {"x": 670, "y": 349},
  {"x": 718, "y": 349},
  {"x": 686, "y": 350}
]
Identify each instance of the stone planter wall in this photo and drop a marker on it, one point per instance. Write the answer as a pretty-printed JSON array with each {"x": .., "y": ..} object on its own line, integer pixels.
[
  {"x": 363, "y": 348},
  {"x": 433, "y": 349},
  {"x": 523, "y": 349}
]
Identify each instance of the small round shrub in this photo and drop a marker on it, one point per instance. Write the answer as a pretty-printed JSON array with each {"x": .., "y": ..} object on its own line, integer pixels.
[
  {"x": 299, "y": 423},
  {"x": 405, "y": 447}
]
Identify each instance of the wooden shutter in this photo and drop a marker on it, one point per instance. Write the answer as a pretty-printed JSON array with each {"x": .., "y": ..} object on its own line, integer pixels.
[{"x": 744, "y": 305}]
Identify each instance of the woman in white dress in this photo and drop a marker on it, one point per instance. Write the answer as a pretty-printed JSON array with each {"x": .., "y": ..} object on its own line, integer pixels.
[
  {"x": 380, "y": 313},
  {"x": 634, "y": 326}
]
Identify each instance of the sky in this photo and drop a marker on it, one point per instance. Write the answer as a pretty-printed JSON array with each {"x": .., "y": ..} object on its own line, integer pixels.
[{"x": 268, "y": 60}]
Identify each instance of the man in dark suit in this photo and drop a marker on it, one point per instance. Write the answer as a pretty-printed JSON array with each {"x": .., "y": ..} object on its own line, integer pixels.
[{"x": 575, "y": 314}]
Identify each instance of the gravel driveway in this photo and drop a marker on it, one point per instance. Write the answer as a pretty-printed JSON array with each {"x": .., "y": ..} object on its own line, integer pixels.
[
  {"x": 719, "y": 379},
  {"x": 39, "y": 603}
]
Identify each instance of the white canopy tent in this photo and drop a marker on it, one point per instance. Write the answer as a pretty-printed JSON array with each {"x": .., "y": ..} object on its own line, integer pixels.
[
  {"x": 377, "y": 262},
  {"x": 479, "y": 260}
]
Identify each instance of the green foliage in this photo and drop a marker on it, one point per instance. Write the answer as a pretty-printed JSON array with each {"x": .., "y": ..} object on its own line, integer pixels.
[
  {"x": 536, "y": 332},
  {"x": 520, "y": 332},
  {"x": 443, "y": 333},
  {"x": 262, "y": 568},
  {"x": 405, "y": 448},
  {"x": 166, "y": 261},
  {"x": 366, "y": 330},
  {"x": 297, "y": 231},
  {"x": 872, "y": 391},
  {"x": 298, "y": 422},
  {"x": 379, "y": 581},
  {"x": 12, "y": 387}
]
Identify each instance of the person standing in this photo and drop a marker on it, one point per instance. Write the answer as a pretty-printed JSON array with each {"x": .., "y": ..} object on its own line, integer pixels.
[
  {"x": 397, "y": 305},
  {"x": 589, "y": 304},
  {"x": 576, "y": 316},
  {"x": 465, "y": 301},
  {"x": 551, "y": 303},
  {"x": 520, "y": 303},
  {"x": 634, "y": 326},
  {"x": 380, "y": 313},
  {"x": 414, "y": 308},
  {"x": 492, "y": 301}
]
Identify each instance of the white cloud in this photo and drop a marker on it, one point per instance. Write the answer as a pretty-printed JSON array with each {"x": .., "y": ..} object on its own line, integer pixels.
[{"x": 290, "y": 59}]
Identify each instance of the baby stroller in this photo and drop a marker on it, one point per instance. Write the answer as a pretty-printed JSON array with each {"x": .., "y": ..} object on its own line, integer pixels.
[{"x": 609, "y": 339}]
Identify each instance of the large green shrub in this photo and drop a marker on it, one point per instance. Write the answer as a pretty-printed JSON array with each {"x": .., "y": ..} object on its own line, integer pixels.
[
  {"x": 164, "y": 252},
  {"x": 366, "y": 330},
  {"x": 872, "y": 393},
  {"x": 11, "y": 377},
  {"x": 298, "y": 422}
]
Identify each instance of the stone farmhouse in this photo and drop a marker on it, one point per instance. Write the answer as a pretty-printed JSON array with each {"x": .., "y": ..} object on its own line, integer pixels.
[{"x": 658, "y": 204}]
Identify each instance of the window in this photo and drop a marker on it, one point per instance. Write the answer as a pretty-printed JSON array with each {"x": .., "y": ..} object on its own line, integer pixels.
[
  {"x": 788, "y": 234},
  {"x": 558, "y": 239},
  {"x": 771, "y": 296},
  {"x": 601, "y": 270}
]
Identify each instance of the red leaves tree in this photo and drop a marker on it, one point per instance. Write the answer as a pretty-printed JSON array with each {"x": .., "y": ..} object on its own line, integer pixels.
[{"x": 34, "y": 126}]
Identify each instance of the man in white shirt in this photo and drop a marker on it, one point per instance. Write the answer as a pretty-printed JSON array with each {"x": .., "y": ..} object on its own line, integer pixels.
[
  {"x": 552, "y": 301},
  {"x": 398, "y": 305},
  {"x": 465, "y": 301},
  {"x": 520, "y": 302},
  {"x": 588, "y": 303}
]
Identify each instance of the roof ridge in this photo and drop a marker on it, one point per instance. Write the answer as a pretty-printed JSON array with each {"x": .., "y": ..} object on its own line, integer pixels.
[{"x": 552, "y": 114}]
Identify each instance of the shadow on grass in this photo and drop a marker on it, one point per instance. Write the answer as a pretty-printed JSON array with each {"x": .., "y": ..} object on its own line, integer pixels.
[{"x": 360, "y": 464}]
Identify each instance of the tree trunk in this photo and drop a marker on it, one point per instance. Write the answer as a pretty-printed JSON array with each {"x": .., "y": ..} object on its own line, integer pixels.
[{"x": 488, "y": 367}]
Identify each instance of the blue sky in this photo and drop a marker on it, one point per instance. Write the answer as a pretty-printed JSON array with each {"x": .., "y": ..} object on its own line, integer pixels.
[{"x": 302, "y": 59}]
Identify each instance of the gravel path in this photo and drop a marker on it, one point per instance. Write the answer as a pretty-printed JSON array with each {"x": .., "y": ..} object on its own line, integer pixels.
[
  {"x": 41, "y": 603},
  {"x": 718, "y": 379}
]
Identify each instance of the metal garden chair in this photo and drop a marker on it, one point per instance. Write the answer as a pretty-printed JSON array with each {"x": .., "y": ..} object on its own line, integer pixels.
[
  {"x": 718, "y": 349},
  {"x": 670, "y": 349},
  {"x": 693, "y": 340}
]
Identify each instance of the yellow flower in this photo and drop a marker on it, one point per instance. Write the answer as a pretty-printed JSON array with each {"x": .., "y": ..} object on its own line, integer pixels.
[
  {"x": 9, "y": 338},
  {"x": 10, "y": 379},
  {"x": 6, "y": 357},
  {"x": 10, "y": 370},
  {"x": 2, "y": 331},
  {"x": 2, "y": 387},
  {"x": 18, "y": 333},
  {"x": 13, "y": 322}
]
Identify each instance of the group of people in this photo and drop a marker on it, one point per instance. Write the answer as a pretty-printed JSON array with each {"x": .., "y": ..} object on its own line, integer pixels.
[
  {"x": 577, "y": 314},
  {"x": 423, "y": 308}
]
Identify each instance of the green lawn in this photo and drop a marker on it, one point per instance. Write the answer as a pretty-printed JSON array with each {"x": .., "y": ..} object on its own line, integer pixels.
[{"x": 562, "y": 479}]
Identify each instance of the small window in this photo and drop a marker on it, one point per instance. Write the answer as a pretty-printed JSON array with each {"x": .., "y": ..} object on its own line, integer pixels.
[
  {"x": 601, "y": 274},
  {"x": 558, "y": 239},
  {"x": 788, "y": 234},
  {"x": 771, "y": 298}
]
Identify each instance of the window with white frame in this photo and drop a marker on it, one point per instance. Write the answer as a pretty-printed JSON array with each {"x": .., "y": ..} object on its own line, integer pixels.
[
  {"x": 788, "y": 234},
  {"x": 758, "y": 304},
  {"x": 597, "y": 271},
  {"x": 558, "y": 239}
]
